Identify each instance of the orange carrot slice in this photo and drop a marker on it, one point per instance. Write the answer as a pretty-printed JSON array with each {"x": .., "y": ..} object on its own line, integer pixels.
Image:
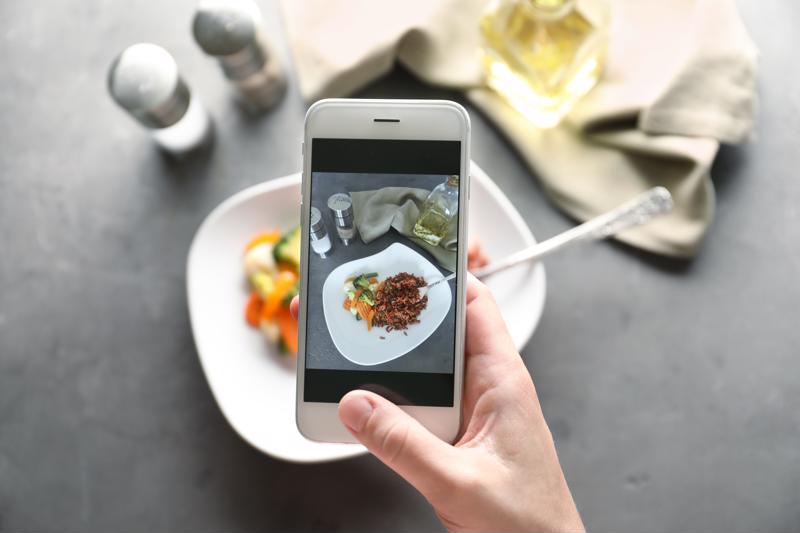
[
  {"x": 269, "y": 237},
  {"x": 252, "y": 310},
  {"x": 283, "y": 284},
  {"x": 287, "y": 325}
]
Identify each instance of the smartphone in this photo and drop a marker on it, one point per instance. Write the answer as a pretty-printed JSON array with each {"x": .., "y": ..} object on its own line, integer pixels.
[{"x": 385, "y": 195}]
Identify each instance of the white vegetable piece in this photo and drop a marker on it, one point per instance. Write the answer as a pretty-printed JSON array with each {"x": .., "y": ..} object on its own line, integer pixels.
[
  {"x": 270, "y": 330},
  {"x": 259, "y": 259}
]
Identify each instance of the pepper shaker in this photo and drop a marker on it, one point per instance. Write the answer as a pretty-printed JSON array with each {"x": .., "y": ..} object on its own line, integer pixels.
[
  {"x": 320, "y": 241},
  {"x": 232, "y": 31},
  {"x": 341, "y": 206},
  {"x": 144, "y": 81}
]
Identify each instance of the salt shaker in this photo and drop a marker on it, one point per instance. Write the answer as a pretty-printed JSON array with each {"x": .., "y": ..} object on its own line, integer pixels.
[
  {"x": 144, "y": 81},
  {"x": 341, "y": 206},
  {"x": 320, "y": 241},
  {"x": 232, "y": 31}
]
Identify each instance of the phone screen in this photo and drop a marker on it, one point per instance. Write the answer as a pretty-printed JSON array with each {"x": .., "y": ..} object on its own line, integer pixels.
[{"x": 383, "y": 230}]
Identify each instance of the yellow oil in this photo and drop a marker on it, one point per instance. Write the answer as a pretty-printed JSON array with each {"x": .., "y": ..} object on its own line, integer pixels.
[
  {"x": 438, "y": 212},
  {"x": 542, "y": 55},
  {"x": 432, "y": 224}
]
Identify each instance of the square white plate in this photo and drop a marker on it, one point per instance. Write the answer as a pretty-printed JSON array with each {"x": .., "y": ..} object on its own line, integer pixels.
[{"x": 255, "y": 386}]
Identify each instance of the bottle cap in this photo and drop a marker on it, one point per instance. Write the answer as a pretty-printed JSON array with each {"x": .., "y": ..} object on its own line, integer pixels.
[
  {"x": 317, "y": 224},
  {"x": 144, "y": 80},
  {"x": 342, "y": 206},
  {"x": 229, "y": 30}
]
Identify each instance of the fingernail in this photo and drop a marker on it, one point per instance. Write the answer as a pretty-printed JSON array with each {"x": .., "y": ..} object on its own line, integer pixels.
[{"x": 355, "y": 412}]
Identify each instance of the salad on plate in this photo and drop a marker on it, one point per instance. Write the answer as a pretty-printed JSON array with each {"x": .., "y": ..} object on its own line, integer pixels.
[{"x": 272, "y": 267}]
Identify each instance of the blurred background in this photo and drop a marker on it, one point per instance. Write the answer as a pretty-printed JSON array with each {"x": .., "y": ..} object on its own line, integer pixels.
[{"x": 670, "y": 384}]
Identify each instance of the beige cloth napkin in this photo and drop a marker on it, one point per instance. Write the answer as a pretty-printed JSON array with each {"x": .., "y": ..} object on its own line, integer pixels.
[
  {"x": 376, "y": 212},
  {"x": 680, "y": 79}
]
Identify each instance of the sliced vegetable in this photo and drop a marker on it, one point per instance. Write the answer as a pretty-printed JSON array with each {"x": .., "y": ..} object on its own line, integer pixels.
[
  {"x": 259, "y": 259},
  {"x": 283, "y": 284},
  {"x": 367, "y": 297},
  {"x": 293, "y": 291},
  {"x": 252, "y": 310},
  {"x": 362, "y": 281},
  {"x": 363, "y": 310},
  {"x": 269, "y": 237},
  {"x": 288, "y": 328},
  {"x": 287, "y": 249},
  {"x": 283, "y": 265},
  {"x": 270, "y": 330},
  {"x": 282, "y": 348},
  {"x": 263, "y": 283}
]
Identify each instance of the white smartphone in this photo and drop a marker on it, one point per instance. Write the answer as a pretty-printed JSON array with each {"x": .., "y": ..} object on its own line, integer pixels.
[{"x": 384, "y": 215}]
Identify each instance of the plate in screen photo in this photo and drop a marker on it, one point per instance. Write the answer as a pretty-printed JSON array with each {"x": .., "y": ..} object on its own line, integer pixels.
[{"x": 366, "y": 347}]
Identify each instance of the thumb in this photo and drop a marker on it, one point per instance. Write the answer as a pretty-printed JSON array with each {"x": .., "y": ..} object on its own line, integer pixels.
[{"x": 399, "y": 441}]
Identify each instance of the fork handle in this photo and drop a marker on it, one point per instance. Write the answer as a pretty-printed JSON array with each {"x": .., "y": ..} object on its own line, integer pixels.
[
  {"x": 438, "y": 281},
  {"x": 634, "y": 212}
]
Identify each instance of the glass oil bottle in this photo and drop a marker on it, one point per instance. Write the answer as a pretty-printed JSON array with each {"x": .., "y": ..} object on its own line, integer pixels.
[
  {"x": 542, "y": 56},
  {"x": 438, "y": 212}
]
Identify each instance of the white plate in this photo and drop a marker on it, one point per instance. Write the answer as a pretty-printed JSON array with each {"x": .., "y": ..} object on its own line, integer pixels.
[
  {"x": 351, "y": 337},
  {"x": 254, "y": 387}
]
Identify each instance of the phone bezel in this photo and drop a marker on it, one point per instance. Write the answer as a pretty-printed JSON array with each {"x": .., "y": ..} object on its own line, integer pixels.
[{"x": 409, "y": 120}]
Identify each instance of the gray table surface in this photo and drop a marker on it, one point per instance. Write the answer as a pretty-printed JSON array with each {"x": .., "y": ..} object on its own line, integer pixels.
[
  {"x": 435, "y": 354},
  {"x": 671, "y": 388}
]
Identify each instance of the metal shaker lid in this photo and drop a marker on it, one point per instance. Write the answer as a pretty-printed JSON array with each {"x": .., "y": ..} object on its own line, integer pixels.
[
  {"x": 224, "y": 27},
  {"x": 144, "y": 80},
  {"x": 229, "y": 30},
  {"x": 317, "y": 224},
  {"x": 341, "y": 204}
]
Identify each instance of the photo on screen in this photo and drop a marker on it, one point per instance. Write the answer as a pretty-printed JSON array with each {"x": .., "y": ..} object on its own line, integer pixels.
[{"x": 381, "y": 294}]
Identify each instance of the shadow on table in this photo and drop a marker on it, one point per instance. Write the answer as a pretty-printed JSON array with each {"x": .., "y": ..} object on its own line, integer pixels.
[
  {"x": 670, "y": 265},
  {"x": 731, "y": 161},
  {"x": 192, "y": 165}
]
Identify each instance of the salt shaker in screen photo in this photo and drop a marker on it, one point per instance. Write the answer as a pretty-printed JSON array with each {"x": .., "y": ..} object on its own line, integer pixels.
[
  {"x": 144, "y": 81},
  {"x": 232, "y": 31},
  {"x": 341, "y": 206},
  {"x": 320, "y": 242}
]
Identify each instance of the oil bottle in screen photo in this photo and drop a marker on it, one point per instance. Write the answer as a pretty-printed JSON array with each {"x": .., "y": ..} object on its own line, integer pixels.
[{"x": 438, "y": 212}]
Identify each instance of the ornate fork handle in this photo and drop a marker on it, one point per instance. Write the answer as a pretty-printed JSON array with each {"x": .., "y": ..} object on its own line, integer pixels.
[{"x": 640, "y": 210}]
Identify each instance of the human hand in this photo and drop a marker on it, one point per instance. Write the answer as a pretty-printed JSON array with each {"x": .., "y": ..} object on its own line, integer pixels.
[{"x": 503, "y": 473}]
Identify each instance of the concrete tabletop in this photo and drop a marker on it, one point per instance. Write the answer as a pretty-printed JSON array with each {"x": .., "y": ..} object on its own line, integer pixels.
[{"x": 671, "y": 388}]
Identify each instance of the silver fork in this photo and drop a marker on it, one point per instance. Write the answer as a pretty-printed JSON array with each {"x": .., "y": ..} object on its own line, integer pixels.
[{"x": 635, "y": 212}]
